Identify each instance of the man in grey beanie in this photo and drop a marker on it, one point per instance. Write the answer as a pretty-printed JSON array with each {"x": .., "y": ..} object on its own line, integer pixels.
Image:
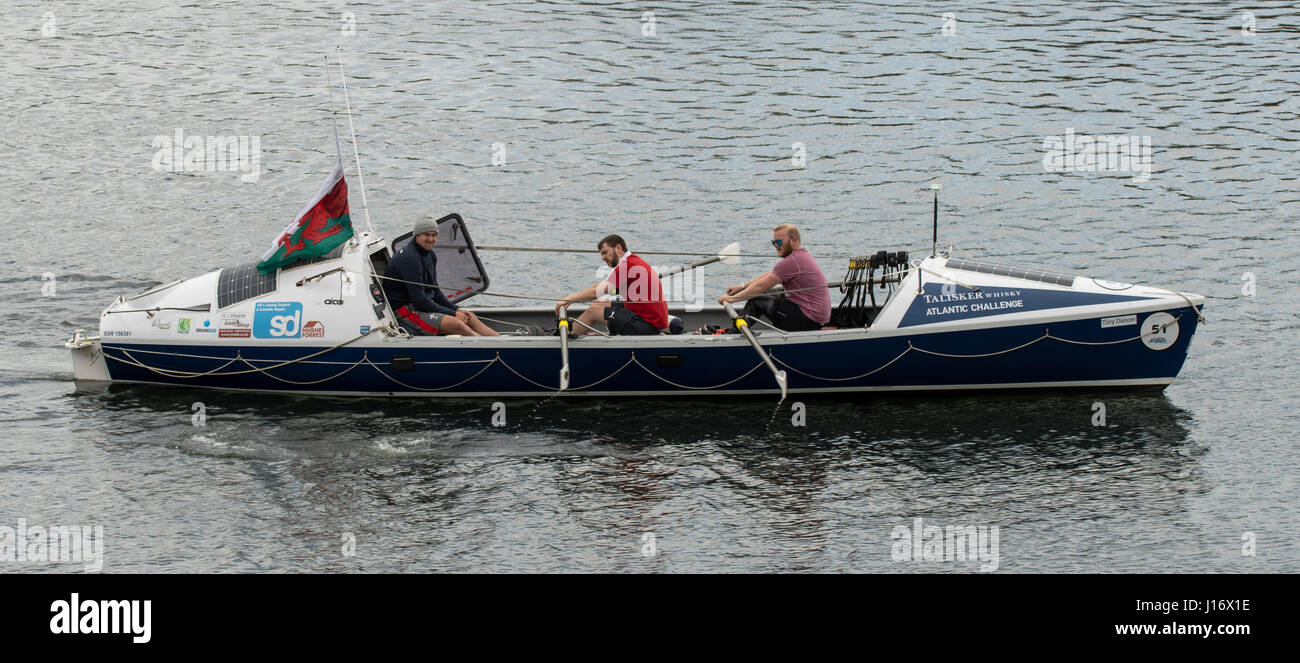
[{"x": 413, "y": 292}]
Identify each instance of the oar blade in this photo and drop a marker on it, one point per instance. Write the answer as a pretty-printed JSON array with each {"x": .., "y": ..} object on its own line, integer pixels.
[{"x": 730, "y": 254}]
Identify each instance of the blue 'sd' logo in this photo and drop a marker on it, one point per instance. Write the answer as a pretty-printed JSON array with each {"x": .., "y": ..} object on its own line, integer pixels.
[{"x": 277, "y": 320}]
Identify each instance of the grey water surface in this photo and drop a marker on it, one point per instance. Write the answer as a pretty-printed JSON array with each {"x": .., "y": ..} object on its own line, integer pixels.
[{"x": 678, "y": 131}]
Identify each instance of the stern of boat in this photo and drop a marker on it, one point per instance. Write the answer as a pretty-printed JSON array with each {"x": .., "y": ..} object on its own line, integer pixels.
[{"x": 88, "y": 364}]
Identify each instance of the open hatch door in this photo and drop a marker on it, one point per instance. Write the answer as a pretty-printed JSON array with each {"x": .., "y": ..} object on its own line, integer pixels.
[{"x": 460, "y": 272}]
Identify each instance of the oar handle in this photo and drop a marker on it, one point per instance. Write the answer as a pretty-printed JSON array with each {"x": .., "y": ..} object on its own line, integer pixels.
[{"x": 562, "y": 325}]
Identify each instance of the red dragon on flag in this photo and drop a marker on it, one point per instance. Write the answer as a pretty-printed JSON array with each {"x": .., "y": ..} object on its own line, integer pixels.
[{"x": 319, "y": 228}]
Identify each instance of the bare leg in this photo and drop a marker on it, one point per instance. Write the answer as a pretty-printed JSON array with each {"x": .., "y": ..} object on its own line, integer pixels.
[
  {"x": 450, "y": 325},
  {"x": 478, "y": 326},
  {"x": 594, "y": 313}
]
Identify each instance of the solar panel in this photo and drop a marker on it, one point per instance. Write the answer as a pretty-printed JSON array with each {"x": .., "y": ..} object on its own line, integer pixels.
[
  {"x": 1013, "y": 272},
  {"x": 242, "y": 282}
]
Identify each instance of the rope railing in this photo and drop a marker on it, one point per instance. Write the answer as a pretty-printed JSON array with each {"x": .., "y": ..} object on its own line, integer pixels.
[{"x": 130, "y": 359}]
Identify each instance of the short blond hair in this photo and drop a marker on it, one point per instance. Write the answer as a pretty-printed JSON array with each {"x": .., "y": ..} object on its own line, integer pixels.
[{"x": 790, "y": 229}]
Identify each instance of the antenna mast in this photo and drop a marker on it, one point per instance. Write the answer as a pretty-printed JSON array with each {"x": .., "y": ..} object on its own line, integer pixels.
[
  {"x": 934, "y": 242},
  {"x": 348, "y": 105}
]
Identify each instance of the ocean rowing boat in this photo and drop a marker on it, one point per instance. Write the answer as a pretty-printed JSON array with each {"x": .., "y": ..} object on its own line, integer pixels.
[{"x": 324, "y": 326}]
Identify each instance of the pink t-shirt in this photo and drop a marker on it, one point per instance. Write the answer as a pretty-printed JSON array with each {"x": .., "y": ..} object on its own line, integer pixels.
[{"x": 800, "y": 270}]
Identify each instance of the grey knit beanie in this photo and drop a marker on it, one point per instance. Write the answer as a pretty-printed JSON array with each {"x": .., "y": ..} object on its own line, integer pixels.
[{"x": 427, "y": 223}]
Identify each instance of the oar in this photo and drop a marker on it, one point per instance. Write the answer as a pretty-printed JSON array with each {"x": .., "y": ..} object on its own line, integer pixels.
[
  {"x": 744, "y": 329},
  {"x": 729, "y": 255},
  {"x": 563, "y": 326}
]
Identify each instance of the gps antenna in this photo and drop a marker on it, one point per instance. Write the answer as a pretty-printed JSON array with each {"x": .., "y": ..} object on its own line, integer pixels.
[{"x": 934, "y": 241}]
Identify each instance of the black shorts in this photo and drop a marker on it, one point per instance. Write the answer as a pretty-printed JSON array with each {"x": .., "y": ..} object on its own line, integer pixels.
[
  {"x": 623, "y": 322},
  {"x": 784, "y": 314}
]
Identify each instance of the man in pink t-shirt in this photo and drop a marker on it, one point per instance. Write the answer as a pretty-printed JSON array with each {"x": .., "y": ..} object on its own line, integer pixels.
[{"x": 805, "y": 305}]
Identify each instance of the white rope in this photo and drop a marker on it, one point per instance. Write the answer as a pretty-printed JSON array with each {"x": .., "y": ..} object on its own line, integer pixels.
[
  {"x": 501, "y": 322},
  {"x": 395, "y": 380},
  {"x": 682, "y": 386},
  {"x": 620, "y": 369},
  {"x": 975, "y": 356},
  {"x": 543, "y": 386},
  {"x": 165, "y": 372},
  {"x": 365, "y": 358},
  {"x": 780, "y": 331},
  {"x": 268, "y": 374},
  {"x": 1199, "y": 318},
  {"x": 456, "y": 291},
  {"x": 1047, "y": 334},
  {"x": 856, "y": 377},
  {"x": 238, "y": 357},
  {"x": 590, "y": 327}
]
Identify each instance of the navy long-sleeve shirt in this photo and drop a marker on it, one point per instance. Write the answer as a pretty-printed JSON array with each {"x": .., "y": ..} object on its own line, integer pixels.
[{"x": 413, "y": 263}]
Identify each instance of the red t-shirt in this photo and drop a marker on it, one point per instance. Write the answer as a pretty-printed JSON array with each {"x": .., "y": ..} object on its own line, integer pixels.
[{"x": 636, "y": 281}]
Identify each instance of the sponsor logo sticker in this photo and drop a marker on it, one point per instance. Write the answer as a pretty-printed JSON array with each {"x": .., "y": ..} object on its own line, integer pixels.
[
  {"x": 1159, "y": 331},
  {"x": 234, "y": 332},
  {"x": 365, "y": 329},
  {"x": 183, "y": 326},
  {"x": 313, "y": 329},
  {"x": 277, "y": 320}
]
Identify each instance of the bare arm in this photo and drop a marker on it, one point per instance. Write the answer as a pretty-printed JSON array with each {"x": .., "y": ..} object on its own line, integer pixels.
[
  {"x": 753, "y": 288},
  {"x": 585, "y": 295}
]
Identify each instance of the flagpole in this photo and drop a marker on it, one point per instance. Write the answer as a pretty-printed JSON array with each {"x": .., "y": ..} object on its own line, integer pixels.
[{"x": 361, "y": 178}]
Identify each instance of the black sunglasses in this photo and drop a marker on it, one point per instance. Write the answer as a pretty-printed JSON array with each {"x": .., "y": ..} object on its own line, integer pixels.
[{"x": 778, "y": 242}]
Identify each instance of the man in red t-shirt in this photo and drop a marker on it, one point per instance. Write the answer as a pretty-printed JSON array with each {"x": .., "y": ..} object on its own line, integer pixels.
[{"x": 641, "y": 308}]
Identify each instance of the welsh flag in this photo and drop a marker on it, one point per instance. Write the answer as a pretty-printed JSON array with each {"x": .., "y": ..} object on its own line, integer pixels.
[{"x": 318, "y": 229}]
